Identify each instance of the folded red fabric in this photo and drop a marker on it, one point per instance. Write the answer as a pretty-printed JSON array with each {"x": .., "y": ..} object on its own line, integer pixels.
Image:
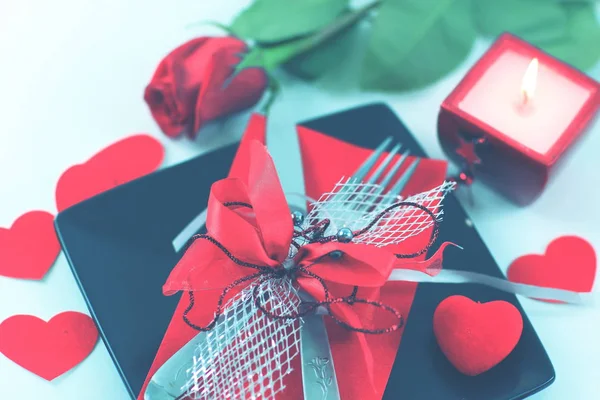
[{"x": 324, "y": 168}]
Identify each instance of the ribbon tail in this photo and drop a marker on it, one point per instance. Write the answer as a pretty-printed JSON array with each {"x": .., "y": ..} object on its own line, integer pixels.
[
  {"x": 368, "y": 361},
  {"x": 431, "y": 266},
  {"x": 532, "y": 291}
]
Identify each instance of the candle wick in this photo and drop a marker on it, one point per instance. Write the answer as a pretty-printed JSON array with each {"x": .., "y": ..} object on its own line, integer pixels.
[{"x": 525, "y": 97}]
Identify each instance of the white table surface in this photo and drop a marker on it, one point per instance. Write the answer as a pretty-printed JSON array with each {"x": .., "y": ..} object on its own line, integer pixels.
[{"x": 72, "y": 75}]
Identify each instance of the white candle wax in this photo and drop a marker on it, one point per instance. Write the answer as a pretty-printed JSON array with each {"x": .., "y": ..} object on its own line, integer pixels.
[{"x": 497, "y": 99}]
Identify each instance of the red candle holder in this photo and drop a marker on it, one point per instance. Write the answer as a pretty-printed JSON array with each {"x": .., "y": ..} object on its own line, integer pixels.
[{"x": 509, "y": 124}]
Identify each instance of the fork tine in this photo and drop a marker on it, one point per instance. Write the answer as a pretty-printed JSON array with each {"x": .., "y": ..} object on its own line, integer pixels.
[
  {"x": 384, "y": 164},
  {"x": 364, "y": 169},
  {"x": 369, "y": 192},
  {"x": 366, "y": 166},
  {"x": 388, "y": 179},
  {"x": 389, "y": 176},
  {"x": 401, "y": 183},
  {"x": 379, "y": 189}
]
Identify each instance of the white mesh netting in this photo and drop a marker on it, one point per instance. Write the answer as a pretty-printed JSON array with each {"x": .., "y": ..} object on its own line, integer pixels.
[
  {"x": 246, "y": 355},
  {"x": 355, "y": 205}
]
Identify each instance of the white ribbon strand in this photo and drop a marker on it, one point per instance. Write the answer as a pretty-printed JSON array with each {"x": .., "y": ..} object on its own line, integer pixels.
[
  {"x": 531, "y": 291},
  {"x": 189, "y": 230}
]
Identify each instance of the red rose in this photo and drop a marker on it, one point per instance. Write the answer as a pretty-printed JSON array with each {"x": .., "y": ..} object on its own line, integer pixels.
[{"x": 191, "y": 85}]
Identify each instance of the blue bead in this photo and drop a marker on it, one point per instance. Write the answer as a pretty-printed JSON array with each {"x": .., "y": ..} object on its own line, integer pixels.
[
  {"x": 297, "y": 218},
  {"x": 344, "y": 235},
  {"x": 336, "y": 254}
]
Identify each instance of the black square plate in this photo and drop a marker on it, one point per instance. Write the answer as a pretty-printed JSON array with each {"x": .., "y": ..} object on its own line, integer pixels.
[{"x": 119, "y": 247}]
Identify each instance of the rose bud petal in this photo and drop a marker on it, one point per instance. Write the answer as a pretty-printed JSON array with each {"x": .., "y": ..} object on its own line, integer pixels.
[
  {"x": 192, "y": 85},
  {"x": 220, "y": 95}
]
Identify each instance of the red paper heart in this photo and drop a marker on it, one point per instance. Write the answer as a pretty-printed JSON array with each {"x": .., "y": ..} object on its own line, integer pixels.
[
  {"x": 48, "y": 349},
  {"x": 476, "y": 336},
  {"x": 118, "y": 163},
  {"x": 569, "y": 263},
  {"x": 28, "y": 248}
]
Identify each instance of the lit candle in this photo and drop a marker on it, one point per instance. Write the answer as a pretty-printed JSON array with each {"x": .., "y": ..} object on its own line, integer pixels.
[
  {"x": 504, "y": 99},
  {"x": 526, "y": 106},
  {"x": 529, "y": 82}
]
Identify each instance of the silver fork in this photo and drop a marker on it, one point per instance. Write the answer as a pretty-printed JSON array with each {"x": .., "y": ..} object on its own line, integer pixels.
[
  {"x": 367, "y": 197},
  {"x": 378, "y": 176},
  {"x": 367, "y": 173},
  {"x": 317, "y": 343}
]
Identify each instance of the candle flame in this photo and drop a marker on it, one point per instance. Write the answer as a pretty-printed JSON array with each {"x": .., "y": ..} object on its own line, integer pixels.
[{"x": 530, "y": 81}]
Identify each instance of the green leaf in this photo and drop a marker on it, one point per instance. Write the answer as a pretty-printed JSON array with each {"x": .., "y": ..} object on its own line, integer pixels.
[
  {"x": 533, "y": 20},
  {"x": 271, "y": 57},
  {"x": 271, "y": 21},
  {"x": 324, "y": 57},
  {"x": 332, "y": 45},
  {"x": 416, "y": 42},
  {"x": 580, "y": 46}
]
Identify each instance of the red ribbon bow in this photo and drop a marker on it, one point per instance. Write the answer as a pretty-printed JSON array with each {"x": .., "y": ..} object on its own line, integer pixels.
[{"x": 249, "y": 234}]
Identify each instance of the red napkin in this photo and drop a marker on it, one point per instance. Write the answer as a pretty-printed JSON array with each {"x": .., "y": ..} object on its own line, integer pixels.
[{"x": 325, "y": 160}]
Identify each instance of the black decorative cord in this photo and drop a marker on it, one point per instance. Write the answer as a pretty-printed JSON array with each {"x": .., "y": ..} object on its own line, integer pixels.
[
  {"x": 227, "y": 253},
  {"x": 434, "y": 232},
  {"x": 314, "y": 234},
  {"x": 219, "y": 309},
  {"x": 237, "y": 203}
]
